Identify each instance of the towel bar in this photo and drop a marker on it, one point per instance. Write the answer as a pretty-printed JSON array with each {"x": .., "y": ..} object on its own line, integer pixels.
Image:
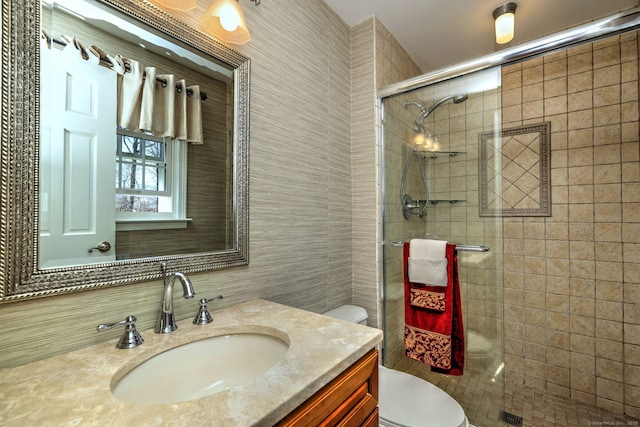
[{"x": 471, "y": 248}]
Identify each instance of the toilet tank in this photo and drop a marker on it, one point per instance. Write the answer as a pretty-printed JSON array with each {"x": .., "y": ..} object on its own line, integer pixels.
[{"x": 350, "y": 313}]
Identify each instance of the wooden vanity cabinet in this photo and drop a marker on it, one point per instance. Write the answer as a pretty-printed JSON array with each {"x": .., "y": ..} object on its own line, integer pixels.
[{"x": 350, "y": 399}]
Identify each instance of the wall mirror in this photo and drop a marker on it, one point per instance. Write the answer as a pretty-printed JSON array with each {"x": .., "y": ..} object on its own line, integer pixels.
[{"x": 124, "y": 145}]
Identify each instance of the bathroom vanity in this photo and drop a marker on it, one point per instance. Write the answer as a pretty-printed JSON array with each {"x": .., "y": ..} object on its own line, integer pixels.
[{"x": 329, "y": 372}]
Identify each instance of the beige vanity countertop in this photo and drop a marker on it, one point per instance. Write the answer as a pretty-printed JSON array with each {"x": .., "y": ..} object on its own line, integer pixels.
[{"x": 73, "y": 389}]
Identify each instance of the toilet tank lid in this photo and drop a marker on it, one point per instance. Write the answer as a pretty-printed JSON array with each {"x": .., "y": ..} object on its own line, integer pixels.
[{"x": 350, "y": 313}]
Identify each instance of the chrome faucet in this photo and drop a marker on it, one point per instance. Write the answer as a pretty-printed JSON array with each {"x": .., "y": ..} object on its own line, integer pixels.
[{"x": 166, "y": 320}]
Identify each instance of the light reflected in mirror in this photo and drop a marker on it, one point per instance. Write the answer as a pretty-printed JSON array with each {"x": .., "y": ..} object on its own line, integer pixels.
[{"x": 140, "y": 156}]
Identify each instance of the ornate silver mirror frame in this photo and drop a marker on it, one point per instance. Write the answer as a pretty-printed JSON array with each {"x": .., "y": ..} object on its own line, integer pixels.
[{"x": 20, "y": 277}]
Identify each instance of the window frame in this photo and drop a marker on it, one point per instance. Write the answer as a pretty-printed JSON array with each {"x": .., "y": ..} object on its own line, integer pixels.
[{"x": 175, "y": 185}]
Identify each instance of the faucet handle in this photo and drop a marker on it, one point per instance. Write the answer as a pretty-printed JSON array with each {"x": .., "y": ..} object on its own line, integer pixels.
[
  {"x": 203, "y": 317},
  {"x": 130, "y": 338}
]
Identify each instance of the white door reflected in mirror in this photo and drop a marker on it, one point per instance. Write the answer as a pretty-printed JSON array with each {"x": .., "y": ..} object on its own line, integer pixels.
[{"x": 77, "y": 191}]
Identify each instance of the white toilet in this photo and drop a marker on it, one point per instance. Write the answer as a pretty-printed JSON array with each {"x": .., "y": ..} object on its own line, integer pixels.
[{"x": 406, "y": 400}]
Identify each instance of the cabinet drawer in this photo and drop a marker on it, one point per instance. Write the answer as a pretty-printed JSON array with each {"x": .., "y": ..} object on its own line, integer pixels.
[
  {"x": 359, "y": 414},
  {"x": 347, "y": 406},
  {"x": 351, "y": 398}
]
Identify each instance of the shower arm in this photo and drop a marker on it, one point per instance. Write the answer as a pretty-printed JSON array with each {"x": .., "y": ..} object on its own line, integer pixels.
[
  {"x": 424, "y": 113},
  {"x": 417, "y": 124}
]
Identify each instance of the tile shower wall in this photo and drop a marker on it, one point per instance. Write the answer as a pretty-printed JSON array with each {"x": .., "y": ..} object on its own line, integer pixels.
[{"x": 572, "y": 280}]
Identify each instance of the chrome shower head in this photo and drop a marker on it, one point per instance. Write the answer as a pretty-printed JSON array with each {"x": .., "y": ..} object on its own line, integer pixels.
[
  {"x": 424, "y": 113},
  {"x": 457, "y": 99}
]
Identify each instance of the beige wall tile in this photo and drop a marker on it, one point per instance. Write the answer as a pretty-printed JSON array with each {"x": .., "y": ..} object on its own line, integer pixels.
[
  {"x": 583, "y": 325},
  {"x": 605, "y": 115},
  {"x": 606, "y": 76},
  {"x": 559, "y": 357},
  {"x": 608, "y": 232},
  {"x": 632, "y": 354},
  {"x": 581, "y": 119},
  {"x": 609, "y": 155},
  {"x": 559, "y": 375},
  {"x": 606, "y": 56},
  {"x": 532, "y": 74},
  {"x": 580, "y": 81},
  {"x": 610, "y": 370},
  {"x": 582, "y": 382},
  {"x": 629, "y": 71},
  {"x": 584, "y": 288},
  {"x": 610, "y": 350},
  {"x": 583, "y": 100},
  {"x": 607, "y": 95},
  {"x": 632, "y": 313},
  {"x": 608, "y": 251},
  {"x": 580, "y": 63},
  {"x": 610, "y": 134},
  {"x": 609, "y": 291},
  {"x": 554, "y": 69},
  {"x": 609, "y": 330},
  {"x": 558, "y": 339},
  {"x": 608, "y": 212},
  {"x": 609, "y": 389},
  {"x": 558, "y": 322},
  {"x": 530, "y": 92},
  {"x": 631, "y": 232}
]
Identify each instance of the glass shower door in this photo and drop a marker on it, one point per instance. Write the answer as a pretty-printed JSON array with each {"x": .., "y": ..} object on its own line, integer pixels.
[{"x": 446, "y": 140}]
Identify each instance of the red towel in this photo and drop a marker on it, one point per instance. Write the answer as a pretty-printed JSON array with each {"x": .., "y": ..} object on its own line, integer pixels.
[{"x": 434, "y": 333}]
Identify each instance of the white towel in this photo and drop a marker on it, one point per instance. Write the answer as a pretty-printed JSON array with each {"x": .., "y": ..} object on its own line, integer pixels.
[
  {"x": 428, "y": 262},
  {"x": 428, "y": 249}
]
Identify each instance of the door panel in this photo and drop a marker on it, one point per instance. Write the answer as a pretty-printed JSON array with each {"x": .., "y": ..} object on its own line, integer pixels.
[{"x": 77, "y": 163}]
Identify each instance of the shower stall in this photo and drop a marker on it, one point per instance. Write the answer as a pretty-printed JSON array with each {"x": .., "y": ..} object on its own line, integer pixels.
[
  {"x": 430, "y": 175},
  {"x": 549, "y": 286}
]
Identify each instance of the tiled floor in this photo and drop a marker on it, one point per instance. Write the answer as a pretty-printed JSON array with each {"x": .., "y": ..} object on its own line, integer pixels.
[{"x": 484, "y": 401}]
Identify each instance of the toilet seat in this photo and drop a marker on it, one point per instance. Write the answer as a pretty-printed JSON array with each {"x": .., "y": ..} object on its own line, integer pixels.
[{"x": 408, "y": 401}]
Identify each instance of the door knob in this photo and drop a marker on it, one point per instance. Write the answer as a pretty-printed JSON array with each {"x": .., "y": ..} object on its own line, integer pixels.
[{"x": 102, "y": 247}]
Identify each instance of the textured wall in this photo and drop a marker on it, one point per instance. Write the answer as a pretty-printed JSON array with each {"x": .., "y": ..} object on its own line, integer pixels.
[
  {"x": 377, "y": 60},
  {"x": 364, "y": 166},
  {"x": 301, "y": 208},
  {"x": 572, "y": 280}
]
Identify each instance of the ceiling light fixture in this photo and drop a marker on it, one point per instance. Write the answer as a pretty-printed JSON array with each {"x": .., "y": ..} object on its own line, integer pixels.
[
  {"x": 225, "y": 21},
  {"x": 182, "y": 5},
  {"x": 504, "y": 17}
]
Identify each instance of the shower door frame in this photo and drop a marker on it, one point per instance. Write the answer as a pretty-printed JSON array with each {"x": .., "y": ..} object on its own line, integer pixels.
[{"x": 615, "y": 24}]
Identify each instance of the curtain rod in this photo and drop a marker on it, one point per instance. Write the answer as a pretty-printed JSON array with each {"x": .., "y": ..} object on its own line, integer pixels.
[{"x": 127, "y": 68}]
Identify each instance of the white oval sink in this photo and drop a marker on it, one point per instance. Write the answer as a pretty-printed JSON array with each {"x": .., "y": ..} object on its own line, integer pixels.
[{"x": 200, "y": 368}]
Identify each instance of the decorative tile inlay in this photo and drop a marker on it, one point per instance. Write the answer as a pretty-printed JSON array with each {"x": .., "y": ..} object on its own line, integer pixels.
[{"x": 514, "y": 171}]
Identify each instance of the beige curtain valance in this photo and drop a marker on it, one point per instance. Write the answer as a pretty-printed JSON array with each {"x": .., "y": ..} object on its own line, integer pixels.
[{"x": 145, "y": 99}]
